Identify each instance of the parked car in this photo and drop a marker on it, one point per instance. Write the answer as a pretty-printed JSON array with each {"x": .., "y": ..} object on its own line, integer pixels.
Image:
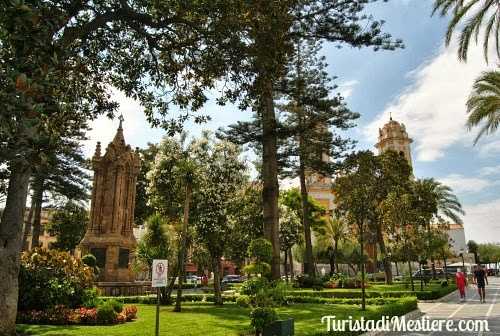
[
  {"x": 398, "y": 278},
  {"x": 428, "y": 274},
  {"x": 192, "y": 279},
  {"x": 492, "y": 272},
  {"x": 232, "y": 279}
]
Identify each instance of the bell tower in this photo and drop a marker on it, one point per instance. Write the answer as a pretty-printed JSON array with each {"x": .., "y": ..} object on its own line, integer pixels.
[
  {"x": 394, "y": 136},
  {"x": 110, "y": 236}
]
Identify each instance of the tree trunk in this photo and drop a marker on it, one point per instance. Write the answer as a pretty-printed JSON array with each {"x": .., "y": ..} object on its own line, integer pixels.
[
  {"x": 270, "y": 189},
  {"x": 182, "y": 262},
  {"x": 336, "y": 249},
  {"x": 362, "y": 250},
  {"x": 285, "y": 265},
  {"x": 385, "y": 260},
  {"x": 27, "y": 227},
  {"x": 311, "y": 270},
  {"x": 217, "y": 284},
  {"x": 292, "y": 273},
  {"x": 10, "y": 245},
  {"x": 408, "y": 257},
  {"x": 37, "y": 220},
  {"x": 433, "y": 267}
]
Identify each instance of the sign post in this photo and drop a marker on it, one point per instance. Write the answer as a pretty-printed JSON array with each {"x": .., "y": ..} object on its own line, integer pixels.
[{"x": 159, "y": 279}]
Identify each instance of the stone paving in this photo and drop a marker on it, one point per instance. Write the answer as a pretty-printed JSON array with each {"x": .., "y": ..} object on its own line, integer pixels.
[{"x": 465, "y": 317}]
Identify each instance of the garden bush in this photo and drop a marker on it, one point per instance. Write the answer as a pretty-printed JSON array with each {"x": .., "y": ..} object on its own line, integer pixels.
[
  {"x": 262, "y": 317},
  {"x": 106, "y": 314},
  {"x": 243, "y": 301},
  {"x": 47, "y": 279}
]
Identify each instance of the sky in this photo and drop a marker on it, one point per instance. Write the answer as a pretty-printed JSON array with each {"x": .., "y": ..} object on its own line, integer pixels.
[{"x": 423, "y": 86}]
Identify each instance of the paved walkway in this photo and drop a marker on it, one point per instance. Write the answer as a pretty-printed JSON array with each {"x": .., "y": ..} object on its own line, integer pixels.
[{"x": 467, "y": 316}]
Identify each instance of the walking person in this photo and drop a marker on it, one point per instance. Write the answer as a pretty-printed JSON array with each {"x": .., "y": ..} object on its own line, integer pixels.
[
  {"x": 461, "y": 282},
  {"x": 480, "y": 278}
]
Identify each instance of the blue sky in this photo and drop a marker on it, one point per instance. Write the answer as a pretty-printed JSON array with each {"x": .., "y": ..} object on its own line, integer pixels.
[{"x": 423, "y": 86}]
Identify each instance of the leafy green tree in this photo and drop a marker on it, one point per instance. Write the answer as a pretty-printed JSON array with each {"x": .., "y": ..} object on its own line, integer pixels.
[
  {"x": 392, "y": 171},
  {"x": 69, "y": 225},
  {"x": 266, "y": 33},
  {"x": 489, "y": 252},
  {"x": 221, "y": 175},
  {"x": 293, "y": 199},
  {"x": 291, "y": 231},
  {"x": 308, "y": 122},
  {"x": 249, "y": 225},
  {"x": 356, "y": 192},
  {"x": 142, "y": 208},
  {"x": 403, "y": 223},
  {"x": 483, "y": 104},
  {"x": 472, "y": 247},
  {"x": 212, "y": 176},
  {"x": 59, "y": 60}
]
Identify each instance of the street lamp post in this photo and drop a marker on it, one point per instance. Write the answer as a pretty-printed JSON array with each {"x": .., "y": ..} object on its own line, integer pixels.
[{"x": 463, "y": 262}]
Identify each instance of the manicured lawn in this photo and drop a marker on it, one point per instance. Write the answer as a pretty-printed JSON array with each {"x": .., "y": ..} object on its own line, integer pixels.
[{"x": 203, "y": 319}]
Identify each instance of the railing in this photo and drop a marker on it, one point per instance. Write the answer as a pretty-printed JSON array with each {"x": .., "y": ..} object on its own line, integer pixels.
[{"x": 126, "y": 290}]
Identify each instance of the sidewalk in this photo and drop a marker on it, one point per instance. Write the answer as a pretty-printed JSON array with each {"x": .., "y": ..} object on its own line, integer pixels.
[{"x": 467, "y": 316}]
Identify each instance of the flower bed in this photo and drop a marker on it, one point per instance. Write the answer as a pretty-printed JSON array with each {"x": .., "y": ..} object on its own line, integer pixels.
[{"x": 61, "y": 315}]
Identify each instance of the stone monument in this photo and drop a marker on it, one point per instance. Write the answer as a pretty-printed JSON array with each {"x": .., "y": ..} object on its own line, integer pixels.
[{"x": 110, "y": 235}]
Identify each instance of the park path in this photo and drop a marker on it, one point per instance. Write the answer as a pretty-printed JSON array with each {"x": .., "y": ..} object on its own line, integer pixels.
[{"x": 463, "y": 314}]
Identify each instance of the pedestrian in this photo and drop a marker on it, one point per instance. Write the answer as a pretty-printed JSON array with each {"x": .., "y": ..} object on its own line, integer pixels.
[
  {"x": 480, "y": 278},
  {"x": 204, "y": 281},
  {"x": 461, "y": 282}
]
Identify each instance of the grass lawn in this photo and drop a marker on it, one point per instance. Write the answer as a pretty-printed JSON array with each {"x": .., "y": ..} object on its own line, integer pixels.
[{"x": 203, "y": 319}]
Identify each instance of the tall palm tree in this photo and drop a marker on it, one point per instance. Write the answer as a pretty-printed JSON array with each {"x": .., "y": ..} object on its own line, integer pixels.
[
  {"x": 444, "y": 203},
  {"x": 484, "y": 103},
  {"x": 474, "y": 12},
  {"x": 337, "y": 229},
  {"x": 188, "y": 172}
]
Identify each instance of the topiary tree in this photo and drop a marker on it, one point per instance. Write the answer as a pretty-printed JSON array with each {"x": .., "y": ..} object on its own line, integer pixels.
[
  {"x": 50, "y": 278},
  {"x": 91, "y": 261},
  {"x": 260, "y": 251},
  {"x": 262, "y": 317}
]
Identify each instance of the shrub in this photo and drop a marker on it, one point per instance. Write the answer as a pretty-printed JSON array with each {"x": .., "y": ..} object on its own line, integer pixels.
[
  {"x": 261, "y": 250},
  {"x": 117, "y": 306},
  {"x": 91, "y": 297},
  {"x": 262, "y": 317},
  {"x": 106, "y": 314},
  {"x": 243, "y": 301},
  {"x": 130, "y": 313},
  {"x": 47, "y": 279}
]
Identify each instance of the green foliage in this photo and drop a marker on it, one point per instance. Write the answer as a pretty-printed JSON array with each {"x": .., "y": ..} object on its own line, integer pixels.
[
  {"x": 91, "y": 261},
  {"x": 261, "y": 317},
  {"x": 91, "y": 298},
  {"x": 257, "y": 268},
  {"x": 52, "y": 278},
  {"x": 243, "y": 301},
  {"x": 254, "y": 286},
  {"x": 106, "y": 314},
  {"x": 260, "y": 250},
  {"x": 117, "y": 306},
  {"x": 69, "y": 225}
]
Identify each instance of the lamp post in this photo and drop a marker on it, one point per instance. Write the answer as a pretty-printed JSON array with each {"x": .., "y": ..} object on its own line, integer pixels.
[{"x": 463, "y": 262}]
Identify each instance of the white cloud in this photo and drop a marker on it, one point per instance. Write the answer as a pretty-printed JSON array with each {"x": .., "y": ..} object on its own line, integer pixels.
[
  {"x": 434, "y": 105},
  {"x": 486, "y": 171},
  {"x": 481, "y": 222},
  {"x": 491, "y": 147},
  {"x": 137, "y": 130},
  {"x": 346, "y": 88},
  {"x": 460, "y": 183}
]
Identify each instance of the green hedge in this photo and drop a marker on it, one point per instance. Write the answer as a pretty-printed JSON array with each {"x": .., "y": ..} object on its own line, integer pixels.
[
  {"x": 399, "y": 307},
  {"x": 421, "y": 295},
  {"x": 185, "y": 298}
]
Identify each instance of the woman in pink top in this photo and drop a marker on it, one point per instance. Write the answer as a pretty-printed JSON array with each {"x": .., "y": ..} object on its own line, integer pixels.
[{"x": 461, "y": 282}]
